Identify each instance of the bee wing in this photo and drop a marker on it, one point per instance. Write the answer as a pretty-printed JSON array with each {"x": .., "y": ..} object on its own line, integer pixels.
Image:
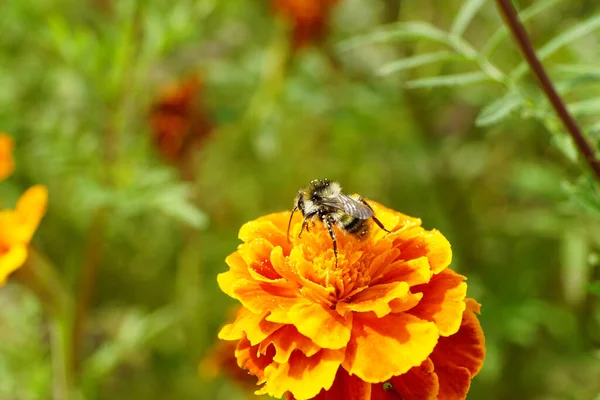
[{"x": 350, "y": 206}]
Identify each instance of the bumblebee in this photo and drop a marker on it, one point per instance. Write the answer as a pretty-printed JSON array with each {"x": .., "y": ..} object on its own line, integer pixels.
[{"x": 323, "y": 199}]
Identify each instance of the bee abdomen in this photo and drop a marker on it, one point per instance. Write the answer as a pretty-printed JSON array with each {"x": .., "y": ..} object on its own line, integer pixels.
[{"x": 355, "y": 226}]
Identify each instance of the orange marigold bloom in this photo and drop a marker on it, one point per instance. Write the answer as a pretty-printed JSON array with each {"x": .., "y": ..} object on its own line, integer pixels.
[
  {"x": 390, "y": 320},
  {"x": 6, "y": 161},
  {"x": 309, "y": 18},
  {"x": 177, "y": 118},
  {"x": 18, "y": 226}
]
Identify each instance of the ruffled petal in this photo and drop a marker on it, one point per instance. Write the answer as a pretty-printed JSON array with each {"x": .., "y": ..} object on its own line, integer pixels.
[
  {"x": 285, "y": 341},
  {"x": 384, "y": 347},
  {"x": 322, "y": 325},
  {"x": 249, "y": 359},
  {"x": 443, "y": 301},
  {"x": 378, "y": 299},
  {"x": 458, "y": 358},
  {"x": 466, "y": 348},
  {"x": 257, "y": 256},
  {"x": 346, "y": 387},
  {"x": 417, "y": 242},
  {"x": 255, "y": 295},
  {"x": 269, "y": 228},
  {"x": 248, "y": 324},
  {"x": 414, "y": 272},
  {"x": 419, "y": 383},
  {"x": 454, "y": 382},
  {"x": 302, "y": 376}
]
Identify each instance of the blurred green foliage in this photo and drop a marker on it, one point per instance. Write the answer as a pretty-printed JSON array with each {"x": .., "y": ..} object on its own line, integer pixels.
[{"x": 435, "y": 116}]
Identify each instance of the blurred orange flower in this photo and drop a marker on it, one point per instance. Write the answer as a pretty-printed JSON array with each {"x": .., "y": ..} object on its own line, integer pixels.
[
  {"x": 18, "y": 226},
  {"x": 309, "y": 18},
  {"x": 390, "y": 320},
  {"x": 177, "y": 118},
  {"x": 6, "y": 161}
]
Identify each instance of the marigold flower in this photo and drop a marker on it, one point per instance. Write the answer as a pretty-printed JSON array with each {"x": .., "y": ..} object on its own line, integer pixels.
[
  {"x": 390, "y": 320},
  {"x": 6, "y": 161},
  {"x": 178, "y": 119},
  {"x": 309, "y": 18},
  {"x": 18, "y": 226}
]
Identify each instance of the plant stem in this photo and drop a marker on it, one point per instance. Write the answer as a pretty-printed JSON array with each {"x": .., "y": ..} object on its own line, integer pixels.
[
  {"x": 41, "y": 277},
  {"x": 511, "y": 18}
]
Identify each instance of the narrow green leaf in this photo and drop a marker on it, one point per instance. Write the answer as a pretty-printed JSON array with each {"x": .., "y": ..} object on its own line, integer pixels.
[
  {"x": 407, "y": 31},
  {"x": 499, "y": 109},
  {"x": 397, "y": 31},
  {"x": 578, "y": 69},
  {"x": 585, "y": 107},
  {"x": 502, "y": 33},
  {"x": 448, "y": 80},
  {"x": 417, "y": 61},
  {"x": 568, "y": 36},
  {"x": 465, "y": 16}
]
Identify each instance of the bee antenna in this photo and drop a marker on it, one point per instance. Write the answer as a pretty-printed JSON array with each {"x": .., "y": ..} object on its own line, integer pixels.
[{"x": 290, "y": 222}]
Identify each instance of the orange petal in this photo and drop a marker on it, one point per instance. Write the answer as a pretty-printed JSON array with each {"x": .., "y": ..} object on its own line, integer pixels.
[
  {"x": 378, "y": 298},
  {"x": 257, "y": 256},
  {"x": 11, "y": 260},
  {"x": 416, "y": 242},
  {"x": 443, "y": 301},
  {"x": 454, "y": 382},
  {"x": 249, "y": 359},
  {"x": 269, "y": 228},
  {"x": 466, "y": 348},
  {"x": 285, "y": 341},
  {"x": 380, "y": 348},
  {"x": 459, "y": 357},
  {"x": 304, "y": 377},
  {"x": 248, "y": 324},
  {"x": 392, "y": 220},
  {"x": 414, "y": 272},
  {"x": 346, "y": 387},
  {"x": 324, "y": 326},
  {"x": 238, "y": 269},
  {"x": 419, "y": 383}
]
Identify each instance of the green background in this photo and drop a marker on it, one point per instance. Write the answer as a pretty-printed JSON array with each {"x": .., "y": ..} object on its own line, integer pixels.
[{"x": 481, "y": 158}]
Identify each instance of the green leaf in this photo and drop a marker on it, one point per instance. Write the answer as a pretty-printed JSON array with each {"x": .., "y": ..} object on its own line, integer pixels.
[
  {"x": 448, "y": 80},
  {"x": 406, "y": 31},
  {"x": 174, "y": 203},
  {"x": 579, "y": 69},
  {"x": 585, "y": 107},
  {"x": 565, "y": 144},
  {"x": 586, "y": 194},
  {"x": 502, "y": 33},
  {"x": 465, "y": 16},
  {"x": 499, "y": 109},
  {"x": 416, "y": 61},
  {"x": 394, "y": 32},
  {"x": 579, "y": 30}
]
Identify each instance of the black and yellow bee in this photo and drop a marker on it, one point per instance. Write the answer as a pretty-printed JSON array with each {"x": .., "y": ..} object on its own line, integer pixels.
[{"x": 323, "y": 199}]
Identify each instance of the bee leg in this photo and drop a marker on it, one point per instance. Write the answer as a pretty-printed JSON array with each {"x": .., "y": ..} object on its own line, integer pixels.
[
  {"x": 304, "y": 224},
  {"x": 379, "y": 224},
  {"x": 329, "y": 226}
]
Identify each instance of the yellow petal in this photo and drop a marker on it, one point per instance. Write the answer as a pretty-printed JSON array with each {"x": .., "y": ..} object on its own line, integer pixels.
[
  {"x": 443, "y": 301},
  {"x": 11, "y": 260},
  {"x": 380, "y": 348},
  {"x": 302, "y": 376},
  {"x": 324, "y": 326}
]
